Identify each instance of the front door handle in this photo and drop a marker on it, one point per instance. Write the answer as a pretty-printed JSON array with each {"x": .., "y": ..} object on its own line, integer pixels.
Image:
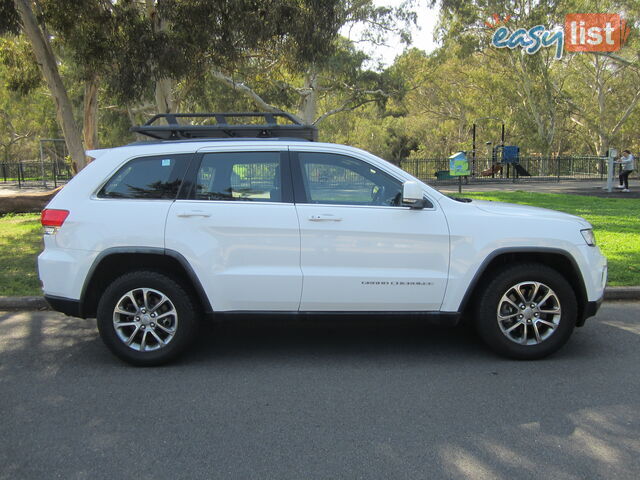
[
  {"x": 326, "y": 217},
  {"x": 194, "y": 213}
]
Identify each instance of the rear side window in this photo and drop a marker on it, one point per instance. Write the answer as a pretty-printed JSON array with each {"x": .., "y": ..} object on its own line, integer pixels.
[{"x": 154, "y": 178}]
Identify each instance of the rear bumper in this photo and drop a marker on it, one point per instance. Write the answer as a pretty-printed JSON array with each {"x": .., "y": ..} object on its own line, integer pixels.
[
  {"x": 65, "y": 305},
  {"x": 590, "y": 309},
  {"x": 55, "y": 264}
]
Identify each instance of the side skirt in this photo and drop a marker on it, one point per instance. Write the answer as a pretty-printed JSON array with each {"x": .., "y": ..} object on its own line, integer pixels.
[{"x": 444, "y": 319}]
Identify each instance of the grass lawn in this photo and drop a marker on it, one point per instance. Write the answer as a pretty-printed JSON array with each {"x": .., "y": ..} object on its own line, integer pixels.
[
  {"x": 616, "y": 223},
  {"x": 20, "y": 244}
]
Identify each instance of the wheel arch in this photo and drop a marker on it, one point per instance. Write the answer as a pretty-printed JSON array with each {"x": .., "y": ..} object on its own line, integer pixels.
[
  {"x": 116, "y": 261},
  {"x": 560, "y": 260}
]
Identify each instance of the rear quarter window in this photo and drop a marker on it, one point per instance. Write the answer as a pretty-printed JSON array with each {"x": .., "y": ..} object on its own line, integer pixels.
[{"x": 156, "y": 177}]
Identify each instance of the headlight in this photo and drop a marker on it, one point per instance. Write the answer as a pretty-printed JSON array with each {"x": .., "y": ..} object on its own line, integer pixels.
[{"x": 589, "y": 237}]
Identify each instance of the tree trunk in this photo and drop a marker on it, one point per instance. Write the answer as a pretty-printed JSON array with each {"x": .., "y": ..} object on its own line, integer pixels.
[
  {"x": 164, "y": 92},
  {"x": 165, "y": 101},
  {"x": 308, "y": 108},
  {"x": 90, "y": 125},
  {"x": 49, "y": 68},
  {"x": 603, "y": 144},
  {"x": 603, "y": 141}
]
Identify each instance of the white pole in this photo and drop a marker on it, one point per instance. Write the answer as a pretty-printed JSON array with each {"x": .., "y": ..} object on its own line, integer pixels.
[{"x": 613, "y": 153}]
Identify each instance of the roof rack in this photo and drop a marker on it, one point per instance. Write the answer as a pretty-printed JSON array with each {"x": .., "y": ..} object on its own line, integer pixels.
[{"x": 270, "y": 128}]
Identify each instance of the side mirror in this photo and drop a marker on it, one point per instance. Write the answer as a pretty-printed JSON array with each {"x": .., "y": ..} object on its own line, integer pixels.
[{"x": 412, "y": 195}]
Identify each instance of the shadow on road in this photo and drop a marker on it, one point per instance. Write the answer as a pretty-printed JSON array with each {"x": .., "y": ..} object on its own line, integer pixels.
[
  {"x": 322, "y": 398},
  {"x": 315, "y": 338}
]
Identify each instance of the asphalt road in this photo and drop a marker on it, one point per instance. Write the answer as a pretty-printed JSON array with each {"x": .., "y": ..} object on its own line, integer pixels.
[{"x": 323, "y": 400}]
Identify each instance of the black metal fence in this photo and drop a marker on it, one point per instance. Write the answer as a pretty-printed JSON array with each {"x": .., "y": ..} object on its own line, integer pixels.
[
  {"x": 436, "y": 170},
  {"x": 52, "y": 170},
  {"x": 35, "y": 173}
]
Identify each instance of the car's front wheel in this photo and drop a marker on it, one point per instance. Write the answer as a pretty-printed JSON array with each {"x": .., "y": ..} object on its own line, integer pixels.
[
  {"x": 526, "y": 311},
  {"x": 146, "y": 318}
]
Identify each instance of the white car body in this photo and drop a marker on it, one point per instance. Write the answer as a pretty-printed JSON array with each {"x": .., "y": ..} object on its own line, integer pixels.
[{"x": 297, "y": 257}]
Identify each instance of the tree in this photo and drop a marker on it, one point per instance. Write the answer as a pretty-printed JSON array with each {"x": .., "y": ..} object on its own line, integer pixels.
[
  {"x": 540, "y": 88},
  {"x": 26, "y": 110},
  {"x": 310, "y": 63},
  {"x": 40, "y": 41},
  {"x": 9, "y": 135},
  {"x": 594, "y": 105}
]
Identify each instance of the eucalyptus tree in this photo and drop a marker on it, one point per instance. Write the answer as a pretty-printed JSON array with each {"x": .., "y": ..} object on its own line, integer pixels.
[
  {"x": 288, "y": 54},
  {"x": 141, "y": 49},
  {"x": 538, "y": 88},
  {"x": 33, "y": 26}
]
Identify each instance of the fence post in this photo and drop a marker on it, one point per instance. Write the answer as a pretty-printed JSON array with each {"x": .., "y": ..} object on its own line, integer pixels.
[
  {"x": 571, "y": 165},
  {"x": 19, "y": 174},
  {"x": 44, "y": 182},
  {"x": 558, "y": 168},
  {"x": 54, "y": 166},
  {"x": 4, "y": 172}
]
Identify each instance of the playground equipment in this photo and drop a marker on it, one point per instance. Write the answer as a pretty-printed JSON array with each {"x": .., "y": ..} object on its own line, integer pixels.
[
  {"x": 511, "y": 157},
  {"x": 505, "y": 155},
  {"x": 492, "y": 171},
  {"x": 520, "y": 170},
  {"x": 473, "y": 140}
]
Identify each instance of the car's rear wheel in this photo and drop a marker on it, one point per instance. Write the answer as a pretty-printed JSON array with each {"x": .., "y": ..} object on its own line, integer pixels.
[
  {"x": 146, "y": 318},
  {"x": 526, "y": 312}
]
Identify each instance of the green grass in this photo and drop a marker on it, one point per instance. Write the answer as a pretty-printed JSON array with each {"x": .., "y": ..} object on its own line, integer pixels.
[
  {"x": 20, "y": 243},
  {"x": 616, "y": 223}
]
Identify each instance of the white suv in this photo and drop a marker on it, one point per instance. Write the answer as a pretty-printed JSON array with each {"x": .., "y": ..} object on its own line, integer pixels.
[{"x": 154, "y": 236}]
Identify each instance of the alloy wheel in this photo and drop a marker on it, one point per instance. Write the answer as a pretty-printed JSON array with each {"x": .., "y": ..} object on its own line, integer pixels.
[
  {"x": 529, "y": 313},
  {"x": 145, "y": 319}
]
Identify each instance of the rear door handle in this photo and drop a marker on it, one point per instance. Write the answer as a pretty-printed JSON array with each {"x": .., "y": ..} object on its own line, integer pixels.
[
  {"x": 194, "y": 213},
  {"x": 326, "y": 217}
]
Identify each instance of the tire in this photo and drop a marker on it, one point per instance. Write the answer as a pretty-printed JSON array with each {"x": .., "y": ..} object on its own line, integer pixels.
[
  {"x": 157, "y": 328},
  {"x": 539, "y": 329}
]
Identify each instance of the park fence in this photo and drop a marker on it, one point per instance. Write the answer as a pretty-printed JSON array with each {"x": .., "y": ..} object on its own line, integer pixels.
[
  {"x": 35, "y": 173},
  {"x": 50, "y": 170},
  {"x": 54, "y": 170},
  {"x": 533, "y": 168}
]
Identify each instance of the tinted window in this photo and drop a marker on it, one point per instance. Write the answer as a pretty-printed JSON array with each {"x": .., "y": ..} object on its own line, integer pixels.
[
  {"x": 157, "y": 177},
  {"x": 341, "y": 180},
  {"x": 243, "y": 176}
]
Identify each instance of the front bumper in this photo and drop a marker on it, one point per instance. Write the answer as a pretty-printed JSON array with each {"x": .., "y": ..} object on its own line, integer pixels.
[{"x": 590, "y": 309}]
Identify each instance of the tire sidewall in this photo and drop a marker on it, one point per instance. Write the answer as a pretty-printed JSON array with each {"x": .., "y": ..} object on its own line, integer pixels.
[
  {"x": 487, "y": 323},
  {"x": 182, "y": 301}
]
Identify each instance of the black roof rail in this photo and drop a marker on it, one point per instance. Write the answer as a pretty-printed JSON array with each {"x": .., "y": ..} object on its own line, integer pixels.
[{"x": 270, "y": 128}]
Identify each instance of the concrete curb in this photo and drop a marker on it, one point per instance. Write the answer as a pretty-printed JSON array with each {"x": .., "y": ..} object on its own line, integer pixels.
[
  {"x": 39, "y": 303},
  {"x": 622, "y": 293},
  {"x": 23, "y": 303}
]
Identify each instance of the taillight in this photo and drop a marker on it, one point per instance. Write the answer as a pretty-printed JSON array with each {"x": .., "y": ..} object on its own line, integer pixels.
[{"x": 53, "y": 219}]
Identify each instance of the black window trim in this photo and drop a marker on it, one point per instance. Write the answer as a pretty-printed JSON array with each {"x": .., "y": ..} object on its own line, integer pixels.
[{"x": 187, "y": 190}]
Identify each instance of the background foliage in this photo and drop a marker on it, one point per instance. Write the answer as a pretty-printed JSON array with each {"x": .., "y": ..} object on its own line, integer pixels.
[{"x": 247, "y": 55}]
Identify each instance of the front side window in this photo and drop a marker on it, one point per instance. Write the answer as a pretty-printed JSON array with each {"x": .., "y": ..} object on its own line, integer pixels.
[
  {"x": 341, "y": 180},
  {"x": 153, "y": 178},
  {"x": 241, "y": 176}
]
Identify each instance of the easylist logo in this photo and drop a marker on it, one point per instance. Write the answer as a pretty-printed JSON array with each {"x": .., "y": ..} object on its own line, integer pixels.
[
  {"x": 583, "y": 32},
  {"x": 594, "y": 32}
]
